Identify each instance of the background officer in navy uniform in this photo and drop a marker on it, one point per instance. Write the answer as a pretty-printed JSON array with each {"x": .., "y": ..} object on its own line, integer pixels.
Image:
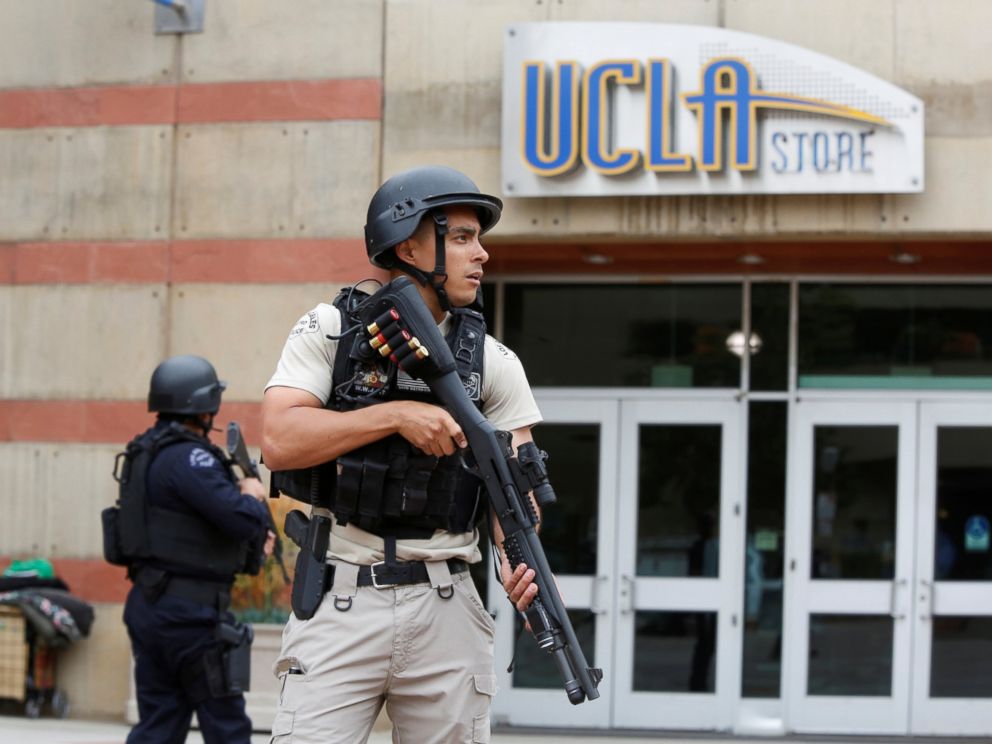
[
  {"x": 202, "y": 528},
  {"x": 402, "y": 623}
]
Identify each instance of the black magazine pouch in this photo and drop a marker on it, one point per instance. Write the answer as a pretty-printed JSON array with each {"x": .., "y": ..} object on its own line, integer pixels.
[{"x": 112, "y": 552}]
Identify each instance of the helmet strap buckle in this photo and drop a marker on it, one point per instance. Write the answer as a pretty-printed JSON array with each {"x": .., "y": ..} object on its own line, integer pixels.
[{"x": 439, "y": 276}]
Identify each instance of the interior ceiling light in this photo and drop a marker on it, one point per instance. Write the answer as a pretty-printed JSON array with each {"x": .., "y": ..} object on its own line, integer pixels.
[
  {"x": 735, "y": 343},
  {"x": 751, "y": 259},
  {"x": 597, "y": 259}
]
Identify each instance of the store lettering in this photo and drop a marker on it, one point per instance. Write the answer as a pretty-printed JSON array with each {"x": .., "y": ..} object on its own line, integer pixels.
[
  {"x": 822, "y": 152},
  {"x": 569, "y": 120}
]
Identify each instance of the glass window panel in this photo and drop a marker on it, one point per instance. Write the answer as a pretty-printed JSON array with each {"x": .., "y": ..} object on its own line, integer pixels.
[
  {"x": 964, "y": 504},
  {"x": 569, "y": 528},
  {"x": 678, "y": 513},
  {"x": 850, "y": 655},
  {"x": 854, "y": 502},
  {"x": 534, "y": 668},
  {"x": 769, "y": 336},
  {"x": 961, "y": 657},
  {"x": 896, "y": 330},
  {"x": 673, "y": 651},
  {"x": 621, "y": 335},
  {"x": 762, "y": 667}
]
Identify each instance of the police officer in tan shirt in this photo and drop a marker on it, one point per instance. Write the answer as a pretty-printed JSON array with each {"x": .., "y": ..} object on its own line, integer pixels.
[{"x": 419, "y": 640}]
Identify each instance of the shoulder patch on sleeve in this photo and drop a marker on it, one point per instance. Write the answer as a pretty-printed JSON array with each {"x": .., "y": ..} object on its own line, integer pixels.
[
  {"x": 504, "y": 351},
  {"x": 309, "y": 323},
  {"x": 200, "y": 458}
]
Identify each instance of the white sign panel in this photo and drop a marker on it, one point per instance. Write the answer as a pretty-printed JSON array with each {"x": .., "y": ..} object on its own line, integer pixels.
[{"x": 639, "y": 108}]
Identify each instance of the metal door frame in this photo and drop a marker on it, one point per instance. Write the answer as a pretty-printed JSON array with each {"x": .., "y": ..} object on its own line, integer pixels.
[
  {"x": 944, "y": 716},
  {"x": 845, "y": 714}
]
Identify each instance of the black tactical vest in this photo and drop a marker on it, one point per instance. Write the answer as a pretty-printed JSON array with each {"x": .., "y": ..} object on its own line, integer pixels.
[
  {"x": 154, "y": 535},
  {"x": 388, "y": 487}
]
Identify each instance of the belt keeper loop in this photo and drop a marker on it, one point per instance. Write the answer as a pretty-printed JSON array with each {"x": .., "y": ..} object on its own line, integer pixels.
[
  {"x": 440, "y": 576},
  {"x": 345, "y": 585},
  {"x": 389, "y": 550}
]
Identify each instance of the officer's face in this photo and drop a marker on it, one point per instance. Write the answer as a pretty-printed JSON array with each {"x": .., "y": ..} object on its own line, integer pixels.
[{"x": 464, "y": 256}]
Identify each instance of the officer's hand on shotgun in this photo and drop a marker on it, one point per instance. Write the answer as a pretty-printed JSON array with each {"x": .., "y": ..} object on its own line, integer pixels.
[{"x": 253, "y": 487}]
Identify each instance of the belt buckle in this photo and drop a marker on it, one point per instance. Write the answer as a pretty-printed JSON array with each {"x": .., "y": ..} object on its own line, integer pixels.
[{"x": 375, "y": 583}]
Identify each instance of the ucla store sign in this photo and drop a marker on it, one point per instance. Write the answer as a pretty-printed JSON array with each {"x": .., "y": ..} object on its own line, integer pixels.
[{"x": 599, "y": 109}]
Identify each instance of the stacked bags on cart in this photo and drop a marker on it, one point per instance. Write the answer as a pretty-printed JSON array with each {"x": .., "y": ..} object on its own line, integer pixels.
[{"x": 57, "y": 617}]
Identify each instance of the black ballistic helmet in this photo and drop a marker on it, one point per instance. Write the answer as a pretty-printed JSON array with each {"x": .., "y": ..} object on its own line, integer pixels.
[
  {"x": 401, "y": 202},
  {"x": 185, "y": 384}
]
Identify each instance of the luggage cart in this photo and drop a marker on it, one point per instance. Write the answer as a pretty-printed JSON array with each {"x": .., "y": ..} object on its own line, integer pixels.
[{"x": 27, "y": 668}]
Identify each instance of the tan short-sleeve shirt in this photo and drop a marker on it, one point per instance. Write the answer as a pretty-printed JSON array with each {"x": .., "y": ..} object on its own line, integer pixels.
[{"x": 307, "y": 362}]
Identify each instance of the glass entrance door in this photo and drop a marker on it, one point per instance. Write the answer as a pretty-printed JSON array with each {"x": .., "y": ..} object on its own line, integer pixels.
[
  {"x": 646, "y": 543},
  {"x": 849, "y": 563},
  {"x": 678, "y": 555},
  {"x": 952, "y": 670},
  {"x": 578, "y": 534}
]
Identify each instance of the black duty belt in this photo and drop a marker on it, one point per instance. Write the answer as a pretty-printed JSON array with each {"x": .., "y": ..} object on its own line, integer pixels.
[
  {"x": 198, "y": 590},
  {"x": 381, "y": 575}
]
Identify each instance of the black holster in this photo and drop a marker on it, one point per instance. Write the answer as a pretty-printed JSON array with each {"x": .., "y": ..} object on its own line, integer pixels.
[
  {"x": 228, "y": 667},
  {"x": 312, "y": 535}
]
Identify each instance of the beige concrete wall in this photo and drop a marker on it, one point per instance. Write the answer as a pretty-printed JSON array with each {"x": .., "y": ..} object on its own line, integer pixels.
[
  {"x": 85, "y": 183},
  {"x": 298, "y": 40},
  {"x": 76, "y": 43},
  {"x": 53, "y": 495},
  {"x": 309, "y": 179},
  {"x": 85, "y": 341},
  {"x": 158, "y": 182},
  {"x": 96, "y": 672},
  {"x": 247, "y": 329}
]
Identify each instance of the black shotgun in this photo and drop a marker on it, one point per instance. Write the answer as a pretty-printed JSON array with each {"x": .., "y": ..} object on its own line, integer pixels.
[{"x": 398, "y": 326}]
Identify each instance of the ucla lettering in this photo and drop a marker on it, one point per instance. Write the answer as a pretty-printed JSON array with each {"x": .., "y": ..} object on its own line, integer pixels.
[
  {"x": 551, "y": 137},
  {"x": 558, "y": 132}
]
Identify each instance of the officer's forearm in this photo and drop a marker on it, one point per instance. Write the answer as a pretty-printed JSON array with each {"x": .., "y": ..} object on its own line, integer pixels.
[{"x": 302, "y": 436}]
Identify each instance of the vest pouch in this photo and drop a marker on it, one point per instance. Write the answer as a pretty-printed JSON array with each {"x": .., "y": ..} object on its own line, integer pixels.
[
  {"x": 310, "y": 485},
  {"x": 112, "y": 551}
]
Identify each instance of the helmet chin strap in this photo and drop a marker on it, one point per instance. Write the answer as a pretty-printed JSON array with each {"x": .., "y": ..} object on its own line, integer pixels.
[
  {"x": 208, "y": 425},
  {"x": 436, "y": 278}
]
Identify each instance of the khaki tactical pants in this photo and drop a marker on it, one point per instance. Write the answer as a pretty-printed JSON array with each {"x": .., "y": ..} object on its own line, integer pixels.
[{"x": 429, "y": 659}]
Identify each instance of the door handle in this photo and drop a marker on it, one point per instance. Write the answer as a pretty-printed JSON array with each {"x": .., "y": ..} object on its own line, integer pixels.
[
  {"x": 893, "y": 597},
  {"x": 927, "y": 590},
  {"x": 627, "y": 600},
  {"x": 594, "y": 605}
]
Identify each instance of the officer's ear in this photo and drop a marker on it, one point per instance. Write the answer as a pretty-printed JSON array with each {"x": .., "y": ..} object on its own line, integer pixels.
[{"x": 406, "y": 252}]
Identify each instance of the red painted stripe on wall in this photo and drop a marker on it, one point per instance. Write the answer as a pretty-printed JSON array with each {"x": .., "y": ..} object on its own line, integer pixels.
[
  {"x": 90, "y": 579},
  {"x": 292, "y": 100},
  {"x": 187, "y": 261},
  {"x": 87, "y": 107},
  {"x": 71, "y": 420},
  {"x": 198, "y": 103},
  {"x": 271, "y": 261},
  {"x": 102, "y": 421},
  {"x": 83, "y": 263}
]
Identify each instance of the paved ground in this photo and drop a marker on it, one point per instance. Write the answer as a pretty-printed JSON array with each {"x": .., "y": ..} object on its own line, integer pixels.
[{"x": 19, "y": 730}]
